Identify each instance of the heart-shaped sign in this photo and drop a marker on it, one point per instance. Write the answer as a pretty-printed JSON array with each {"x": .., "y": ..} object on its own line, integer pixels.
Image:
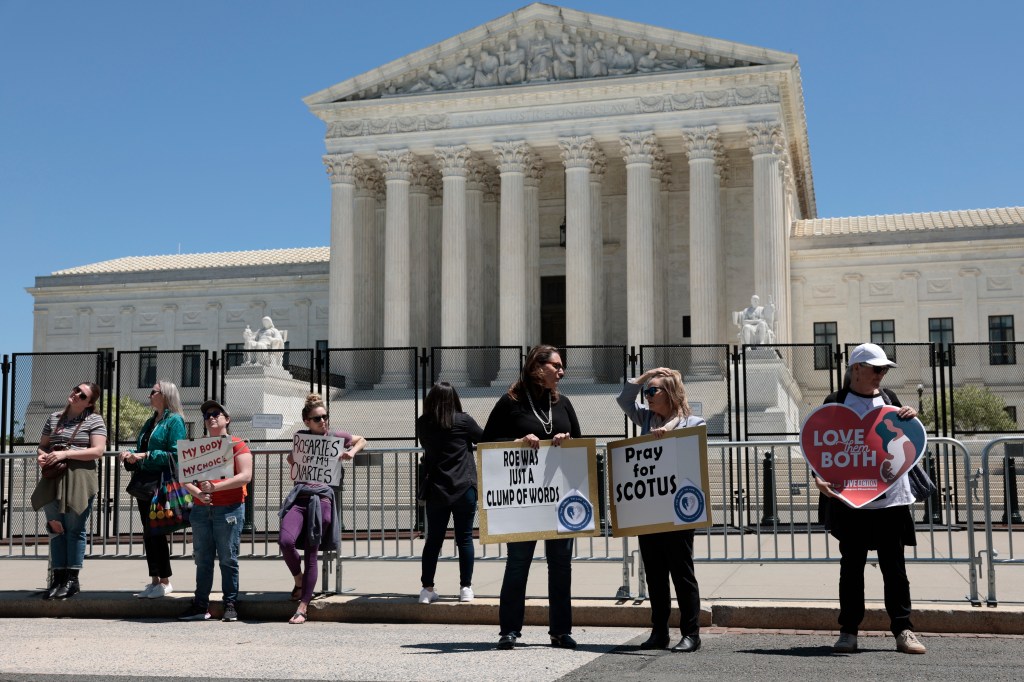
[{"x": 862, "y": 457}]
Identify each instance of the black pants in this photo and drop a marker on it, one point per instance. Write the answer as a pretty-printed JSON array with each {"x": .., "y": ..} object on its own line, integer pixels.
[
  {"x": 512, "y": 607},
  {"x": 671, "y": 554},
  {"x": 158, "y": 549},
  {"x": 894, "y": 576}
]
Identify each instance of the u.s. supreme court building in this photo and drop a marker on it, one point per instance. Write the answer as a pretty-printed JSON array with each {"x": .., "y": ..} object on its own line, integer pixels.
[{"x": 557, "y": 176}]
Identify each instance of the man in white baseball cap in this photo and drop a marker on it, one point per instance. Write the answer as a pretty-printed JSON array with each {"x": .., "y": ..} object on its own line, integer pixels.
[{"x": 870, "y": 354}]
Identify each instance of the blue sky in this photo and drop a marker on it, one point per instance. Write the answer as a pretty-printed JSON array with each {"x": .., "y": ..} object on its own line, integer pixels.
[{"x": 138, "y": 128}]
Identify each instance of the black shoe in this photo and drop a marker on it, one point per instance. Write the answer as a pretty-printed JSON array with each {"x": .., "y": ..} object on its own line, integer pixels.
[
  {"x": 657, "y": 640},
  {"x": 507, "y": 641},
  {"x": 687, "y": 644},
  {"x": 230, "y": 614},
  {"x": 56, "y": 582},
  {"x": 563, "y": 642},
  {"x": 69, "y": 588}
]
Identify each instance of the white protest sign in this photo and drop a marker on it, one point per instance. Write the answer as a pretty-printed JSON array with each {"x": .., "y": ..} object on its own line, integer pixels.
[
  {"x": 206, "y": 459},
  {"x": 316, "y": 459},
  {"x": 527, "y": 494},
  {"x": 660, "y": 484}
]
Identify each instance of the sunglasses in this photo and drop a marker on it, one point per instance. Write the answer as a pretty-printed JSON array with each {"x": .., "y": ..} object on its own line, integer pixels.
[
  {"x": 652, "y": 391},
  {"x": 213, "y": 414},
  {"x": 80, "y": 393},
  {"x": 555, "y": 365},
  {"x": 878, "y": 370},
  {"x": 154, "y": 392},
  {"x": 318, "y": 418}
]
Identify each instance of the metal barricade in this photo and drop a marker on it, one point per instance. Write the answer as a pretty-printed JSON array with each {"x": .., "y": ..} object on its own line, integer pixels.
[{"x": 1010, "y": 504}]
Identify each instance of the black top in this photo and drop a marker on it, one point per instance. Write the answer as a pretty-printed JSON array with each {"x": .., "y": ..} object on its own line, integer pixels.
[
  {"x": 512, "y": 419},
  {"x": 449, "y": 469}
]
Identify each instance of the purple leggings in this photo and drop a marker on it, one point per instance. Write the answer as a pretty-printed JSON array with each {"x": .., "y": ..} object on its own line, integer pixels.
[{"x": 292, "y": 526}]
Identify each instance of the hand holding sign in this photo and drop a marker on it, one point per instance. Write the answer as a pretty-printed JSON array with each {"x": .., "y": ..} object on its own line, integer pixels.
[{"x": 862, "y": 457}]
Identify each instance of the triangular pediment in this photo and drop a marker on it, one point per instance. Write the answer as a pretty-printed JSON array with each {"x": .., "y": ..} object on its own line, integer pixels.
[{"x": 542, "y": 44}]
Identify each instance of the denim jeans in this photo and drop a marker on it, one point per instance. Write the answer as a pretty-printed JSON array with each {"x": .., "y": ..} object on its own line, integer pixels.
[
  {"x": 217, "y": 530},
  {"x": 512, "y": 607},
  {"x": 437, "y": 526},
  {"x": 67, "y": 549}
]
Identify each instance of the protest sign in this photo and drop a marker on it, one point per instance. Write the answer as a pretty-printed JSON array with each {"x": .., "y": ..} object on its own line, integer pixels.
[
  {"x": 527, "y": 494},
  {"x": 862, "y": 457},
  {"x": 660, "y": 484},
  {"x": 206, "y": 459},
  {"x": 316, "y": 459}
]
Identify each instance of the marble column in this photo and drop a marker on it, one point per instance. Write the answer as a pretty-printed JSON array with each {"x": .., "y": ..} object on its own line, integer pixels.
[
  {"x": 578, "y": 156},
  {"x": 396, "y": 164},
  {"x": 454, "y": 283},
  {"x": 767, "y": 146},
  {"x": 659, "y": 202},
  {"x": 638, "y": 152},
  {"x": 419, "y": 267},
  {"x": 702, "y": 145},
  {"x": 341, "y": 281},
  {"x": 433, "y": 256},
  {"x": 513, "y": 158},
  {"x": 531, "y": 194},
  {"x": 597, "y": 172},
  {"x": 476, "y": 184},
  {"x": 364, "y": 260},
  {"x": 489, "y": 240}
]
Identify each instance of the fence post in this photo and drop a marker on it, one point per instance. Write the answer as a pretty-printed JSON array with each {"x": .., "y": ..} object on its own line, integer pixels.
[
  {"x": 769, "y": 518},
  {"x": 1011, "y": 506},
  {"x": 4, "y": 445}
]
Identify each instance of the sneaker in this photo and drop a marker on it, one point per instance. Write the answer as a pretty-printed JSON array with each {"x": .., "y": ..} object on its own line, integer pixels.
[
  {"x": 160, "y": 590},
  {"x": 195, "y": 612},
  {"x": 908, "y": 643},
  {"x": 466, "y": 594},
  {"x": 427, "y": 596},
  {"x": 846, "y": 644},
  {"x": 230, "y": 615},
  {"x": 146, "y": 591}
]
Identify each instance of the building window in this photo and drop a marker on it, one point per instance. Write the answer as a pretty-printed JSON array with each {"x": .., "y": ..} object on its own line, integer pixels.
[
  {"x": 883, "y": 333},
  {"x": 826, "y": 337},
  {"x": 191, "y": 365},
  {"x": 1001, "y": 349},
  {"x": 147, "y": 366},
  {"x": 940, "y": 332},
  {"x": 686, "y": 327},
  {"x": 233, "y": 355},
  {"x": 321, "y": 347}
]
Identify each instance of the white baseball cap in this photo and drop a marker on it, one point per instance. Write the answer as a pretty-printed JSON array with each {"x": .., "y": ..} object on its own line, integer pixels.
[{"x": 870, "y": 354}]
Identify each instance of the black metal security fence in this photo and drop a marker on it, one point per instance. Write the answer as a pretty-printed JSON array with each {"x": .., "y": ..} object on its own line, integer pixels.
[{"x": 743, "y": 392}]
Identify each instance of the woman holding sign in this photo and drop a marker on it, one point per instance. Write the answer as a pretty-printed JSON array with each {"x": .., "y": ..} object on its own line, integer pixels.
[
  {"x": 217, "y": 517},
  {"x": 156, "y": 452},
  {"x": 670, "y": 553},
  {"x": 884, "y": 524},
  {"x": 531, "y": 411},
  {"x": 310, "y": 518},
  {"x": 449, "y": 483}
]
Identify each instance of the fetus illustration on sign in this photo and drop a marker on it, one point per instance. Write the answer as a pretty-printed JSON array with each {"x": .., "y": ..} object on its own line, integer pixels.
[{"x": 898, "y": 448}]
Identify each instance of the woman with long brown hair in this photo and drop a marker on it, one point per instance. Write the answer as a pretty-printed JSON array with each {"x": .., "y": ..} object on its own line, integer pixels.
[
  {"x": 72, "y": 439},
  {"x": 531, "y": 411}
]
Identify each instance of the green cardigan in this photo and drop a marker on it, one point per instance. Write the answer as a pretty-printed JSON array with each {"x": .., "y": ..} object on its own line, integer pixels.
[{"x": 163, "y": 442}]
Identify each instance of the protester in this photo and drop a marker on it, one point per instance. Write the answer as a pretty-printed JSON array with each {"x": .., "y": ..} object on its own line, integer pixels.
[
  {"x": 218, "y": 513},
  {"x": 310, "y": 515},
  {"x": 884, "y": 524},
  {"x": 533, "y": 410},
  {"x": 448, "y": 484},
  {"x": 155, "y": 453},
  {"x": 669, "y": 553}
]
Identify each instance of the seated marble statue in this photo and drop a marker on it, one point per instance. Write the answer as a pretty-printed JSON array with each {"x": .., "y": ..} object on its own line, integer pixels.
[
  {"x": 756, "y": 323},
  {"x": 268, "y": 337},
  {"x": 565, "y": 55},
  {"x": 486, "y": 71},
  {"x": 513, "y": 68},
  {"x": 465, "y": 74},
  {"x": 542, "y": 53},
  {"x": 649, "y": 63},
  {"x": 597, "y": 61},
  {"x": 622, "y": 62},
  {"x": 435, "y": 80}
]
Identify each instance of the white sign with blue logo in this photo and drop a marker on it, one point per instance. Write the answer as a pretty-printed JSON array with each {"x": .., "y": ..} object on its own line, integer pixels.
[{"x": 659, "y": 484}]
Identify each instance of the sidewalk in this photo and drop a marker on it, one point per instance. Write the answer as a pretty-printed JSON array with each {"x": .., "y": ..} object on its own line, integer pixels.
[{"x": 777, "y": 596}]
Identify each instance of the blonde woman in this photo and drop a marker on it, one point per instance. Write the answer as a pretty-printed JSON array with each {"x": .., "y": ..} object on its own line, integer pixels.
[
  {"x": 155, "y": 453},
  {"x": 669, "y": 553}
]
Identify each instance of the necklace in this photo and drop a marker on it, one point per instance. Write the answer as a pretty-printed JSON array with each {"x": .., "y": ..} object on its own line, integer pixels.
[{"x": 549, "y": 423}]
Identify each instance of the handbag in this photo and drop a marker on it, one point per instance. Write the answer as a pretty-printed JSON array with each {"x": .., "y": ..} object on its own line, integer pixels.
[
  {"x": 921, "y": 485},
  {"x": 58, "y": 469},
  {"x": 143, "y": 484},
  {"x": 170, "y": 507}
]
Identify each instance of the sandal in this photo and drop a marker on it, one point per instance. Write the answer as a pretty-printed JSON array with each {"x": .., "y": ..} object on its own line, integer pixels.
[
  {"x": 297, "y": 619},
  {"x": 296, "y": 593}
]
